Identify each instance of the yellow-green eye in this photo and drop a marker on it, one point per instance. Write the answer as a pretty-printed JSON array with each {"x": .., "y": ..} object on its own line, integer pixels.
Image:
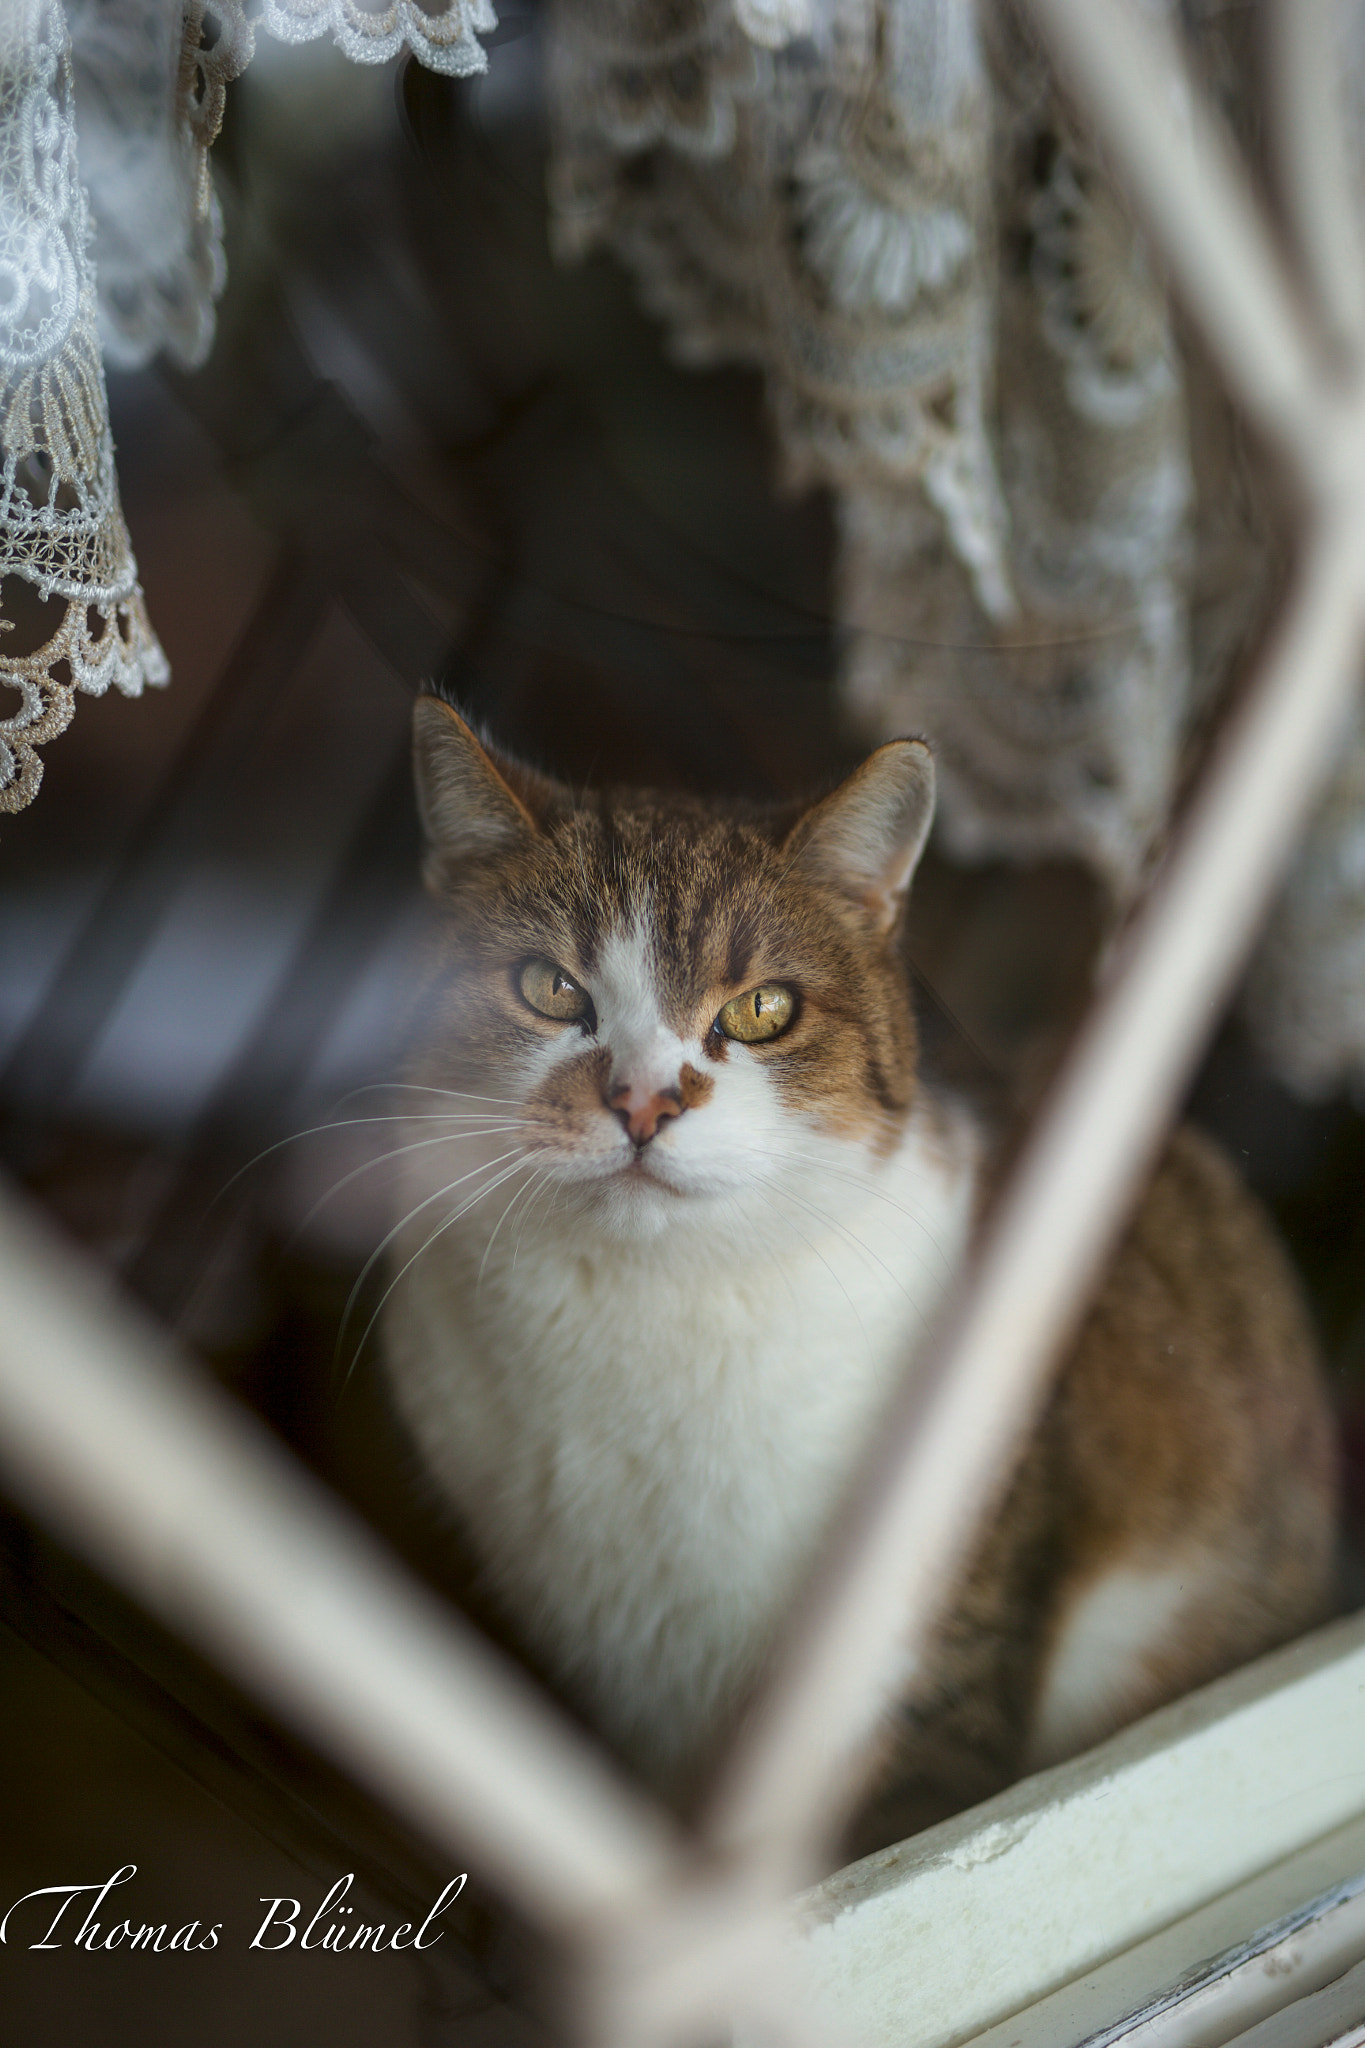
[
  {"x": 552, "y": 992},
  {"x": 758, "y": 1014}
]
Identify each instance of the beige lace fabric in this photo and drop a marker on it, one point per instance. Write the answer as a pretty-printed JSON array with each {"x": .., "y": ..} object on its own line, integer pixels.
[
  {"x": 889, "y": 212},
  {"x": 111, "y": 248},
  {"x": 1051, "y": 547}
]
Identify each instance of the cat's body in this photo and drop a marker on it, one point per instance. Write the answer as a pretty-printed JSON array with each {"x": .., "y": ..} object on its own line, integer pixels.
[{"x": 660, "y": 1276}]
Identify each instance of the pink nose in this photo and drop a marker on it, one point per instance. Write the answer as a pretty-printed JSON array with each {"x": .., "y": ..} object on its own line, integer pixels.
[{"x": 641, "y": 1113}]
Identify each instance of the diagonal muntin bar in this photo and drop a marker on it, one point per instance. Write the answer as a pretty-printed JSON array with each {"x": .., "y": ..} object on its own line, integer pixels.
[
  {"x": 1180, "y": 171},
  {"x": 913, "y": 1513},
  {"x": 172, "y": 1489},
  {"x": 947, "y": 1444},
  {"x": 1304, "y": 60}
]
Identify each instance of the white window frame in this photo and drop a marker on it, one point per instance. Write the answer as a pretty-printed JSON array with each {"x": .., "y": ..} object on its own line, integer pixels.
[
  {"x": 205, "y": 1519},
  {"x": 1081, "y": 1897}
]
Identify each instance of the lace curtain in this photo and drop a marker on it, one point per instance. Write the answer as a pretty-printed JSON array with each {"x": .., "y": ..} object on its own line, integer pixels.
[
  {"x": 1051, "y": 543},
  {"x": 110, "y": 247}
]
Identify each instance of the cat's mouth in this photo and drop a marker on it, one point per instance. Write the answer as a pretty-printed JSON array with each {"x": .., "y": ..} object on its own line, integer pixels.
[{"x": 644, "y": 1166}]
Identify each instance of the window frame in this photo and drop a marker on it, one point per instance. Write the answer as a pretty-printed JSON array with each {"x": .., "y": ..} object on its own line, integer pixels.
[{"x": 206, "y": 1521}]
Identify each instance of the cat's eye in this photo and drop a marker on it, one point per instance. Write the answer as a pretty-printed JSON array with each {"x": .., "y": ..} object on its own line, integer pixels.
[
  {"x": 552, "y": 992},
  {"x": 758, "y": 1014}
]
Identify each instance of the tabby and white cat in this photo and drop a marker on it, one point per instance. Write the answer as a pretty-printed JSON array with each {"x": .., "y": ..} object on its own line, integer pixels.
[{"x": 677, "y": 1226}]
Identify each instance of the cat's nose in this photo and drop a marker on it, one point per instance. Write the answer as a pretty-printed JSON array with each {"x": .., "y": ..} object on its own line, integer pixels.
[{"x": 641, "y": 1112}]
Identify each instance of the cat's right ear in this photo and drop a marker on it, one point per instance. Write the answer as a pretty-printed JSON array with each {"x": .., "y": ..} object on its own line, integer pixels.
[{"x": 472, "y": 803}]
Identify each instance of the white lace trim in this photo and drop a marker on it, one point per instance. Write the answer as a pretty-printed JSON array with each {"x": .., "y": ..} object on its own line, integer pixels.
[
  {"x": 142, "y": 84},
  {"x": 61, "y": 526},
  {"x": 443, "y": 41}
]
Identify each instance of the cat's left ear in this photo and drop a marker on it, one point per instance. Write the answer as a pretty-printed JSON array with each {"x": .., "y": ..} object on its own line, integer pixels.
[{"x": 867, "y": 837}]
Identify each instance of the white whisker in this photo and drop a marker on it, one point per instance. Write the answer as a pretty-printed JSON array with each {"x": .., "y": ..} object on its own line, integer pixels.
[
  {"x": 852, "y": 1237},
  {"x": 849, "y": 1235},
  {"x": 871, "y": 1188},
  {"x": 516, "y": 1152},
  {"x": 814, "y": 1249},
  {"x": 346, "y": 1123},
  {"x": 518, "y": 1195},
  {"x": 418, "y": 1145},
  {"x": 451, "y": 1094},
  {"x": 443, "y": 1225},
  {"x": 544, "y": 1179}
]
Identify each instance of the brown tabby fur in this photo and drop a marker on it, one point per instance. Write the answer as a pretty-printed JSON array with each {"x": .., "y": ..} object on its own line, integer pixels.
[{"x": 1189, "y": 1414}]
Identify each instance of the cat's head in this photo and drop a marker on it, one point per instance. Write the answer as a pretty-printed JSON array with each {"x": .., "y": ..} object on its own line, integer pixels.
[{"x": 670, "y": 1003}]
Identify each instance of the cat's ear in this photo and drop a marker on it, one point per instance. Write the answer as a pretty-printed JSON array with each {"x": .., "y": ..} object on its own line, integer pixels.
[
  {"x": 472, "y": 802},
  {"x": 867, "y": 837}
]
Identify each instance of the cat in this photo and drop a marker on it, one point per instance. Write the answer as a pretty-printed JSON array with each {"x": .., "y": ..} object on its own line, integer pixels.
[{"x": 678, "y": 1207}]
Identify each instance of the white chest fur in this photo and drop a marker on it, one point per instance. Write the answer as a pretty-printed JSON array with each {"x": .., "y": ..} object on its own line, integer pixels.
[{"x": 646, "y": 1441}]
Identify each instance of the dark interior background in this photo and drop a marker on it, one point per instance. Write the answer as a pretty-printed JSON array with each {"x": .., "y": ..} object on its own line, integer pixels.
[{"x": 420, "y": 454}]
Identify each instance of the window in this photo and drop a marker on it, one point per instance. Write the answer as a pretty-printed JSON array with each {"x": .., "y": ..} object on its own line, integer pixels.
[{"x": 1172, "y": 1845}]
